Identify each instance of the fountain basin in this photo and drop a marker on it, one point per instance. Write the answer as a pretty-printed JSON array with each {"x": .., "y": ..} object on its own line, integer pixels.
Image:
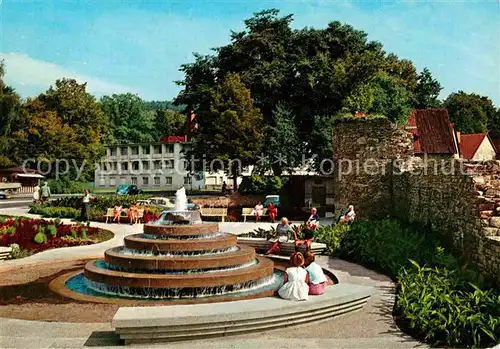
[
  {"x": 181, "y": 230},
  {"x": 263, "y": 269},
  {"x": 242, "y": 255},
  {"x": 140, "y": 243},
  {"x": 184, "y": 216}
]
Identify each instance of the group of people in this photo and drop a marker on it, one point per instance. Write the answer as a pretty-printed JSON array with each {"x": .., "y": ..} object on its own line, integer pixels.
[
  {"x": 303, "y": 278},
  {"x": 285, "y": 232},
  {"x": 132, "y": 214},
  {"x": 272, "y": 211}
]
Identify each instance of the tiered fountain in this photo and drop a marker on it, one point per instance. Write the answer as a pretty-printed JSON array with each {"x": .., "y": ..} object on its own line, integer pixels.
[{"x": 177, "y": 257}]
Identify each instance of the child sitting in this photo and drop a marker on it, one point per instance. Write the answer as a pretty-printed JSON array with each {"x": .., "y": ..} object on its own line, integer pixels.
[
  {"x": 296, "y": 279},
  {"x": 317, "y": 279}
]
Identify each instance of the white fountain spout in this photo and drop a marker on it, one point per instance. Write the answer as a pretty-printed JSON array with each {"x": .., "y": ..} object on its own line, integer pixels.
[{"x": 180, "y": 200}]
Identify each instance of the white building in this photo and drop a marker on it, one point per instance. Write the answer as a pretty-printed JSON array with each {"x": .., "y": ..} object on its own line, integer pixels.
[{"x": 158, "y": 165}]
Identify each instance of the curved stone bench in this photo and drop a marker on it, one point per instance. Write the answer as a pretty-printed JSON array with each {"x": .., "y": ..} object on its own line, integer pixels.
[
  {"x": 262, "y": 245},
  {"x": 199, "y": 321}
]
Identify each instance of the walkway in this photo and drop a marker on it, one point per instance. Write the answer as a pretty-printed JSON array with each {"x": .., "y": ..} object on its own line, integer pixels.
[{"x": 373, "y": 327}]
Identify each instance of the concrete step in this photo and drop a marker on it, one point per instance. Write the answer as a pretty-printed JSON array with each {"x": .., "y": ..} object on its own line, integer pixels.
[{"x": 187, "y": 322}]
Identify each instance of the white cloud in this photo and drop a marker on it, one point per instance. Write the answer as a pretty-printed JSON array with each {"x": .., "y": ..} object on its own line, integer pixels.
[{"x": 28, "y": 74}]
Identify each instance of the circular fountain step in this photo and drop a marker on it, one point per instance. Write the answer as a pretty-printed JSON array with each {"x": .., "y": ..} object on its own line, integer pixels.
[
  {"x": 261, "y": 270},
  {"x": 182, "y": 230},
  {"x": 140, "y": 243},
  {"x": 243, "y": 255}
]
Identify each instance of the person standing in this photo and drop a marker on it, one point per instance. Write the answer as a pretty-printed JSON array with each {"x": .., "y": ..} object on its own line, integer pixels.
[
  {"x": 44, "y": 192},
  {"x": 85, "y": 215}
]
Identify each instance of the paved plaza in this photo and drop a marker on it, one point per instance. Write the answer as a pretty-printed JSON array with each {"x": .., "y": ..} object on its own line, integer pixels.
[{"x": 372, "y": 327}]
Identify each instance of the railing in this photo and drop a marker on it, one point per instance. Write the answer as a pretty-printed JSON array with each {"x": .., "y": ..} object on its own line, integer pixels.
[{"x": 26, "y": 190}]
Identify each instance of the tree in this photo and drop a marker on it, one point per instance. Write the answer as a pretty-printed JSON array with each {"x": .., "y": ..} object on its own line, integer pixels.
[
  {"x": 283, "y": 148},
  {"x": 169, "y": 122},
  {"x": 69, "y": 106},
  {"x": 470, "y": 112},
  {"x": 426, "y": 91},
  {"x": 11, "y": 122},
  {"x": 231, "y": 119},
  {"x": 129, "y": 120},
  {"x": 391, "y": 99},
  {"x": 310, "y": 72}
]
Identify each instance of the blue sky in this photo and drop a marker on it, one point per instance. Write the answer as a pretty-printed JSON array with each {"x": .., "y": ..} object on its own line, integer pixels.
[{"x": 138, "y": 46}]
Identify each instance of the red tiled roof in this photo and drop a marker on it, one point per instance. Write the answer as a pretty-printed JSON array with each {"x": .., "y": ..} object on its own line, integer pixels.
[
  {"x": 432, "y": 132},
  {"x": 469, "y": 143}
]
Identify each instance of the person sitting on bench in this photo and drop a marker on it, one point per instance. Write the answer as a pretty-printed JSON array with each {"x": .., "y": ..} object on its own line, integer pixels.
[
  {"x": 283, "y": 231},
  {"x": 307, "y": 236},
  {"x": 348, "y": 216}
]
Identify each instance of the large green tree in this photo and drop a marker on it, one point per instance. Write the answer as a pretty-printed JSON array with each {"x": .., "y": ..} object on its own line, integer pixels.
[
  {"x": 168, "y": 122},
  {"x": 310, "y": 72},
  {"x": 129, "y": 120},
  {"x": 11, "y": 122},
  {"x": 230, "y": 130},
  {"x": 76, "y": 114},
  {"x": 471, "y": 112},
  {"x": 282, "y": 148},
  {"x": 427, "y": 91}
]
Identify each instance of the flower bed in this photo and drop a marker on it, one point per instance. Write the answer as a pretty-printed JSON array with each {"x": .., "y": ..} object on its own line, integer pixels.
[{"x": 35, "y": 235}]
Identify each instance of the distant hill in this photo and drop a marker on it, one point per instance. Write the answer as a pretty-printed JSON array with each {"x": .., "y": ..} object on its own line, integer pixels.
[{"x": 154, "y": 105}]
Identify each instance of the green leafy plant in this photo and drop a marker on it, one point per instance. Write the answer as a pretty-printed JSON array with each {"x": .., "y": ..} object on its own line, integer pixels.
[
  {"x": 74, "y": 234},
  {"x": 332, "y": 236},
  {"x": 84, "y": 234},
  {"x": 447, "y": 309},
  {"x": 52, "y": 230},
  {"x": 40, "y": 238}
]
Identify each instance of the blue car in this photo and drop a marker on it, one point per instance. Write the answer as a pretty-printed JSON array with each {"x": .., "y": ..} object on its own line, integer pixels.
[
  {"x": 128, "y": 189},
  {"x": 275, "y": 199}
]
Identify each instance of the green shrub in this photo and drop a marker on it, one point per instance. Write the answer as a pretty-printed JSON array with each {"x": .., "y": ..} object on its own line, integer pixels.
[
  {"x": 55, "y": 212},
  {"x": 84, "y": 234},
  {"x": 17, "y": 252},
  {"x": 388, "y": 245},
  {"x": 101, "y": 203},
  {"x": 66, "y": 186},
  {"x": 261, "y": 184},
  {"x": 40, "y": 238},
  {"x": 331, "y": 235},
  {"x": 52, "y": 230},
  {"x": 439, "y": 303}
]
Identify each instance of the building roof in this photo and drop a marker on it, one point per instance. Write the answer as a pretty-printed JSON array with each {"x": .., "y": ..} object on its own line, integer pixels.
[
  {"x": 433, "y": 132},
  {"x": 469, "y": 143}
]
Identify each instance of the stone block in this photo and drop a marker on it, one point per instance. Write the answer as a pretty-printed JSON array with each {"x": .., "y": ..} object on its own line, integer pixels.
[
  {"x": 490, "y": 231},
  {"x": 486, "y": 206},
  {"x": 495, "y": 222},
  {"x": 485, "y": 214},
  {"x": 495, "y": 193}
]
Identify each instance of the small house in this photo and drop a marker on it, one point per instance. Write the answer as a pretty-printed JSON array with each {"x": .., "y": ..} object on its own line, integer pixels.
[{"x": 476, "y": 147}]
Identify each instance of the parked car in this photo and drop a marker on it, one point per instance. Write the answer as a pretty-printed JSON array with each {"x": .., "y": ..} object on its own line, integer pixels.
[
  {"x": 275, "y": 199},
  {"x": 128, "y": 189},
  {"x": 4, "y": 195},
  {"x": 161, "y": 202}
]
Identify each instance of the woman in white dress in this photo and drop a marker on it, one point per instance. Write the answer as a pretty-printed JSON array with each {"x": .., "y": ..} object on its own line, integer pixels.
[
  {"x": 258, "y": 210},
  {"x": 296, "y": 280}
]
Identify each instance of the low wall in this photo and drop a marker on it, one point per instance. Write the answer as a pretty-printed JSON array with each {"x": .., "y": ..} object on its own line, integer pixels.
[{"x": 460, "y": 200}]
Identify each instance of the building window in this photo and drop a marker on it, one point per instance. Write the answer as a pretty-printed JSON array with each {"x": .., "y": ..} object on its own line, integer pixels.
[
  {"x": 157, "y": 165},
  {"x": 102, "y": 181},
  {"x": 187, "y": 180},
  {"x": 134, "y": 180},
  {"x": 123, "y": 180},
  {"x": 135, "y": 150},
  {"x": 124, "y": 151},
  {"x": 113, "y": 151},
  {"x": 145, "y": 165},
  {"x": 112, "y": 181},
  {"x": 157, "y": 149},
  {"x": 168, "y": 180},
  {"x": 157, "y": 180},
  {"x": 145, "y": 181},
  {"x": 135, "y": 165},
  {"x": 170, "y": 148},
  {"x": 125, "y": 166},
  {"x": 146, "y": 150},
  {"x": 115, "y": 166},
  {"x": 169, "y": 164}
]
